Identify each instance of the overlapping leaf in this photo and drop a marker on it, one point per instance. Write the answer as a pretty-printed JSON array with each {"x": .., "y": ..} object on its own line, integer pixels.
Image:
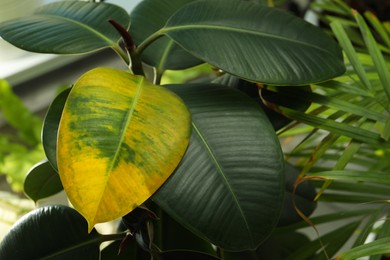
[
  {"x": 66, "y": 27},
  {"x": 54, "y": 232},
  {"x": 120, "y": 137},
  {"x": 148, "y": 17},
  {"x": 229, "y": 186},
  {"x": 255, "y": 42},
  {"x": 42, "y": 181}
]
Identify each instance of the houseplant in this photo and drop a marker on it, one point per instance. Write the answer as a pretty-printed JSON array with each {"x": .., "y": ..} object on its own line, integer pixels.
[{"x": 119, "y": 141}]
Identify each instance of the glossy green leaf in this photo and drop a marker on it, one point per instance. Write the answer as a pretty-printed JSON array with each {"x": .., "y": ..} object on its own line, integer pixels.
[
  {"x": 42, "y": 181},
  {"x": 148, "y": 17},
  {"x": 120, "y": 138},
  {"x": 370, "y": 176},
  {"x": 229, "y": 186},
  {"x": 53, "y": 232},
  {"x": 67, "y": 27},
  {"x": 255, "y": 42},
  {"x": 50, "y": 127}
]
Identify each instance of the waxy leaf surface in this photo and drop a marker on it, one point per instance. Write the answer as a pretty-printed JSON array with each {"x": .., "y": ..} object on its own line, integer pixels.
[
  {"x": 51, "y": 232},
  {"x": 229, "y": 187},
  {"x": 120, "y": 138},
  {"x": 255, "y": 42},
  {"x": 67, "y": 27},
  {"x": 148, "y": 17}
]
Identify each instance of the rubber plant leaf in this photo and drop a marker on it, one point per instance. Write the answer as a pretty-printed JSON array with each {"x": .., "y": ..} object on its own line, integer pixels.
[
  {"x": 50, "y": 127},
  {"x": 255, "y": 42},
  {"x": 51, "y": 232},
  {"x": 42, "y": 181},
  {"x": 67, "y": 27},
  {"x": 120, "y": 137},
  {"x": 229, "y": 186},
  {"x": 148, "y": 17}
]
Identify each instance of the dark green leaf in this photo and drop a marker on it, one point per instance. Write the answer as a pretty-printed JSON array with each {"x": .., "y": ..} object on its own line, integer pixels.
[
  {"x": 278, "y": 246},
  {"x": 187, "y": 255},
  {"x": 129, "y": 251},
  {"x": 229, "y": 186},
  {"x": 255, "y": 42},
  {"x": 251, "y": 89},
  {"x": 303, "y": 198},
  {"x": 67, "y": 27},
  {"x": 42, "y": 181},
  {"x": 170, "y": 235},
  {"x": 148, "y": 17},
  {"x": 50, "y": 127},
  {"x": 53, "y": 232}
]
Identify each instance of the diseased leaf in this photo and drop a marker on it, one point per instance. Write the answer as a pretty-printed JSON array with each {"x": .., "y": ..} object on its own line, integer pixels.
[{"x": 120, "y": 137}]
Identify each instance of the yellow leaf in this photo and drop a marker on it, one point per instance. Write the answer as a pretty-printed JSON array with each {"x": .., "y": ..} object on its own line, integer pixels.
[{"x": 120, "y": 137}]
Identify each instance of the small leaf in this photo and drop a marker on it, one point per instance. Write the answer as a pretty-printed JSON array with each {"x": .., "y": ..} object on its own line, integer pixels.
[
  {"x": 229, "y": 187},
  {"x": 67, "y": 27},
  {"x": 120, "y": 138},
  {"x": 255, "y": 42},
  {"x": 53, "y": 232},
  {"x": 42, "y": 181}
]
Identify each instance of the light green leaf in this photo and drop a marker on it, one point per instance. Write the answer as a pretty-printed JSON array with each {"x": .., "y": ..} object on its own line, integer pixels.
[
  {"x": 229, "y": 186},
  {"x": 120, "y": 137},
  {"x": 380, "y": 246},
  {"x": 371, "y": 176},
  {"x": 255, "y": 42},
  {"x": 67, "y": 27},
  {"x": 349, "y": 50},
  {"x": 374, "y": 51},
  {"x": 28, "y": 125}
]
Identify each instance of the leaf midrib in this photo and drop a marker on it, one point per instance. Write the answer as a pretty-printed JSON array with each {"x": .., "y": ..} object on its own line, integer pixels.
[
  {"x": 82, "y": 25},
  {"x": 129, "y": 116},
  {"x": 221, "y": 172},
  {"x": 168, "y": 29}
]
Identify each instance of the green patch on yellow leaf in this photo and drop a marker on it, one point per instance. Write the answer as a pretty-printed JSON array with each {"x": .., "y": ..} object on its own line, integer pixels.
[{"x": 119, "y": 139}]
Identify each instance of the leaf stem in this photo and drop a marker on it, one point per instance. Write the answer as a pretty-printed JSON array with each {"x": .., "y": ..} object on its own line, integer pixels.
[
  {"x": 148, "y": 41},
  {"x": 134, "y": 62}
]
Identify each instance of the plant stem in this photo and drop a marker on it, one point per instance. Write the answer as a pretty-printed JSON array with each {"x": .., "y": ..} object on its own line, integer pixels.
[
  {"x": 135, "y": 59},
  {"x": 148, "y": 41}
]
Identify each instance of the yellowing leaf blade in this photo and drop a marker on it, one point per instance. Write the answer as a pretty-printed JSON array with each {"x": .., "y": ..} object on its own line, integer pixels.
[{"x": 120, "y": 138}]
